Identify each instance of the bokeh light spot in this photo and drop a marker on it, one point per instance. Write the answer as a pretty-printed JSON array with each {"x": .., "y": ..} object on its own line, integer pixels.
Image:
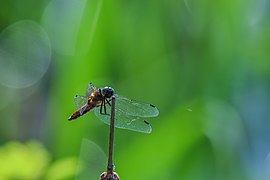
[
  {"x": 62, "y": 19},
  {"x": 25, "y": 54}
]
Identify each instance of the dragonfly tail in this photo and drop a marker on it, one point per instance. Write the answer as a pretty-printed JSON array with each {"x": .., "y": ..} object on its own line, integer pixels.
[{"x": 80, "y": 112}]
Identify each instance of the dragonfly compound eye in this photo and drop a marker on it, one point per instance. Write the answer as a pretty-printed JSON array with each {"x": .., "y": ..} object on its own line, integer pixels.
[{"x": 108, "y": 92}]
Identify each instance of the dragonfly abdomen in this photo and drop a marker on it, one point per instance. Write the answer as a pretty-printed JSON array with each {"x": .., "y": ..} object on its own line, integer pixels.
[{"x": 83, "y": 110}]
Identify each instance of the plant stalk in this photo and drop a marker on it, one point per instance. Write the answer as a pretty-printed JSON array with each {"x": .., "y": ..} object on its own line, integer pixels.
[{"x": 110, "y": 167}]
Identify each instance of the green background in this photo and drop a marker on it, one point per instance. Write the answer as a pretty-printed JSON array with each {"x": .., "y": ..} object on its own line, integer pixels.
[{"x": 204, "y": 64}]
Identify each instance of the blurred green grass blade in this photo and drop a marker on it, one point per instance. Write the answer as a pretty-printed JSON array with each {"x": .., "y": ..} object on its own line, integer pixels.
[{"x": 92, "y": 161}]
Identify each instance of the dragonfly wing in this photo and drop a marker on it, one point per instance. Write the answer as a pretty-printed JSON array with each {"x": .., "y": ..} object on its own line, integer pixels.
[
  {"x": 124, "y": 120},
  {"x": 135, "y": 108},
  {"x": 79, "y": 101},
  {"x": 90, "y": 89}
]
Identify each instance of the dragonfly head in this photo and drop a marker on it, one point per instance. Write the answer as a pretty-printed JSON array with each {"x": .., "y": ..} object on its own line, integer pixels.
[{"x": 107, "y": 92}]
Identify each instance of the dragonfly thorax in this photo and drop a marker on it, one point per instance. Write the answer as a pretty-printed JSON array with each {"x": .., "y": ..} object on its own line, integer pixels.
[{"x": 107, "y": 92}]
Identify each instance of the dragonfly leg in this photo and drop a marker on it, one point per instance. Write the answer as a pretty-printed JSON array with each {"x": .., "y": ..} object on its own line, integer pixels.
[
  {"x": 104, "y": 106},
  {"x": 108, "y": 102},
  {"x": 101, "y": 107}
]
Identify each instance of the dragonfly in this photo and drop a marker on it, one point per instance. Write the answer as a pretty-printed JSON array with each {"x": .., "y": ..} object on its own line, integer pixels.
[{"x": 129, "y": 114}]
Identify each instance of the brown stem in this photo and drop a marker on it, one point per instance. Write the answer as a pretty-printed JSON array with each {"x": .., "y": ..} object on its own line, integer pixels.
[{"x": 110, "y": 167}]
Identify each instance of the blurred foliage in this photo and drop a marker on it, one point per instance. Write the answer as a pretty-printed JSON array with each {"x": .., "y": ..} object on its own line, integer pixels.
[
  {"x": 32, "y": 161},
  {"x": 204, "y": 64},
  {"x": 23, "y": 161}
]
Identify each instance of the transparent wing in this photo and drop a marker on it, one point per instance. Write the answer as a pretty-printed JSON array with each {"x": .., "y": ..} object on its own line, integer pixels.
[
  {"x": 92, "y": 161},
  {"x": 124, "y": 120},
  {"x": 135, "y": 108},
  {"x": 79, "y": 101},
  {"x": 90, "y": 89}
]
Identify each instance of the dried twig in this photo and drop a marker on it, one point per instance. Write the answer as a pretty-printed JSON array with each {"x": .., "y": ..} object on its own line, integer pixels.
[{"x": 110, "y": 175}]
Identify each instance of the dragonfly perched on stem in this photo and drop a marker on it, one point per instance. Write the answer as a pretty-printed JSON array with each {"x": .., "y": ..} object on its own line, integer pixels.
[{"x": 129, "y": 114}]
